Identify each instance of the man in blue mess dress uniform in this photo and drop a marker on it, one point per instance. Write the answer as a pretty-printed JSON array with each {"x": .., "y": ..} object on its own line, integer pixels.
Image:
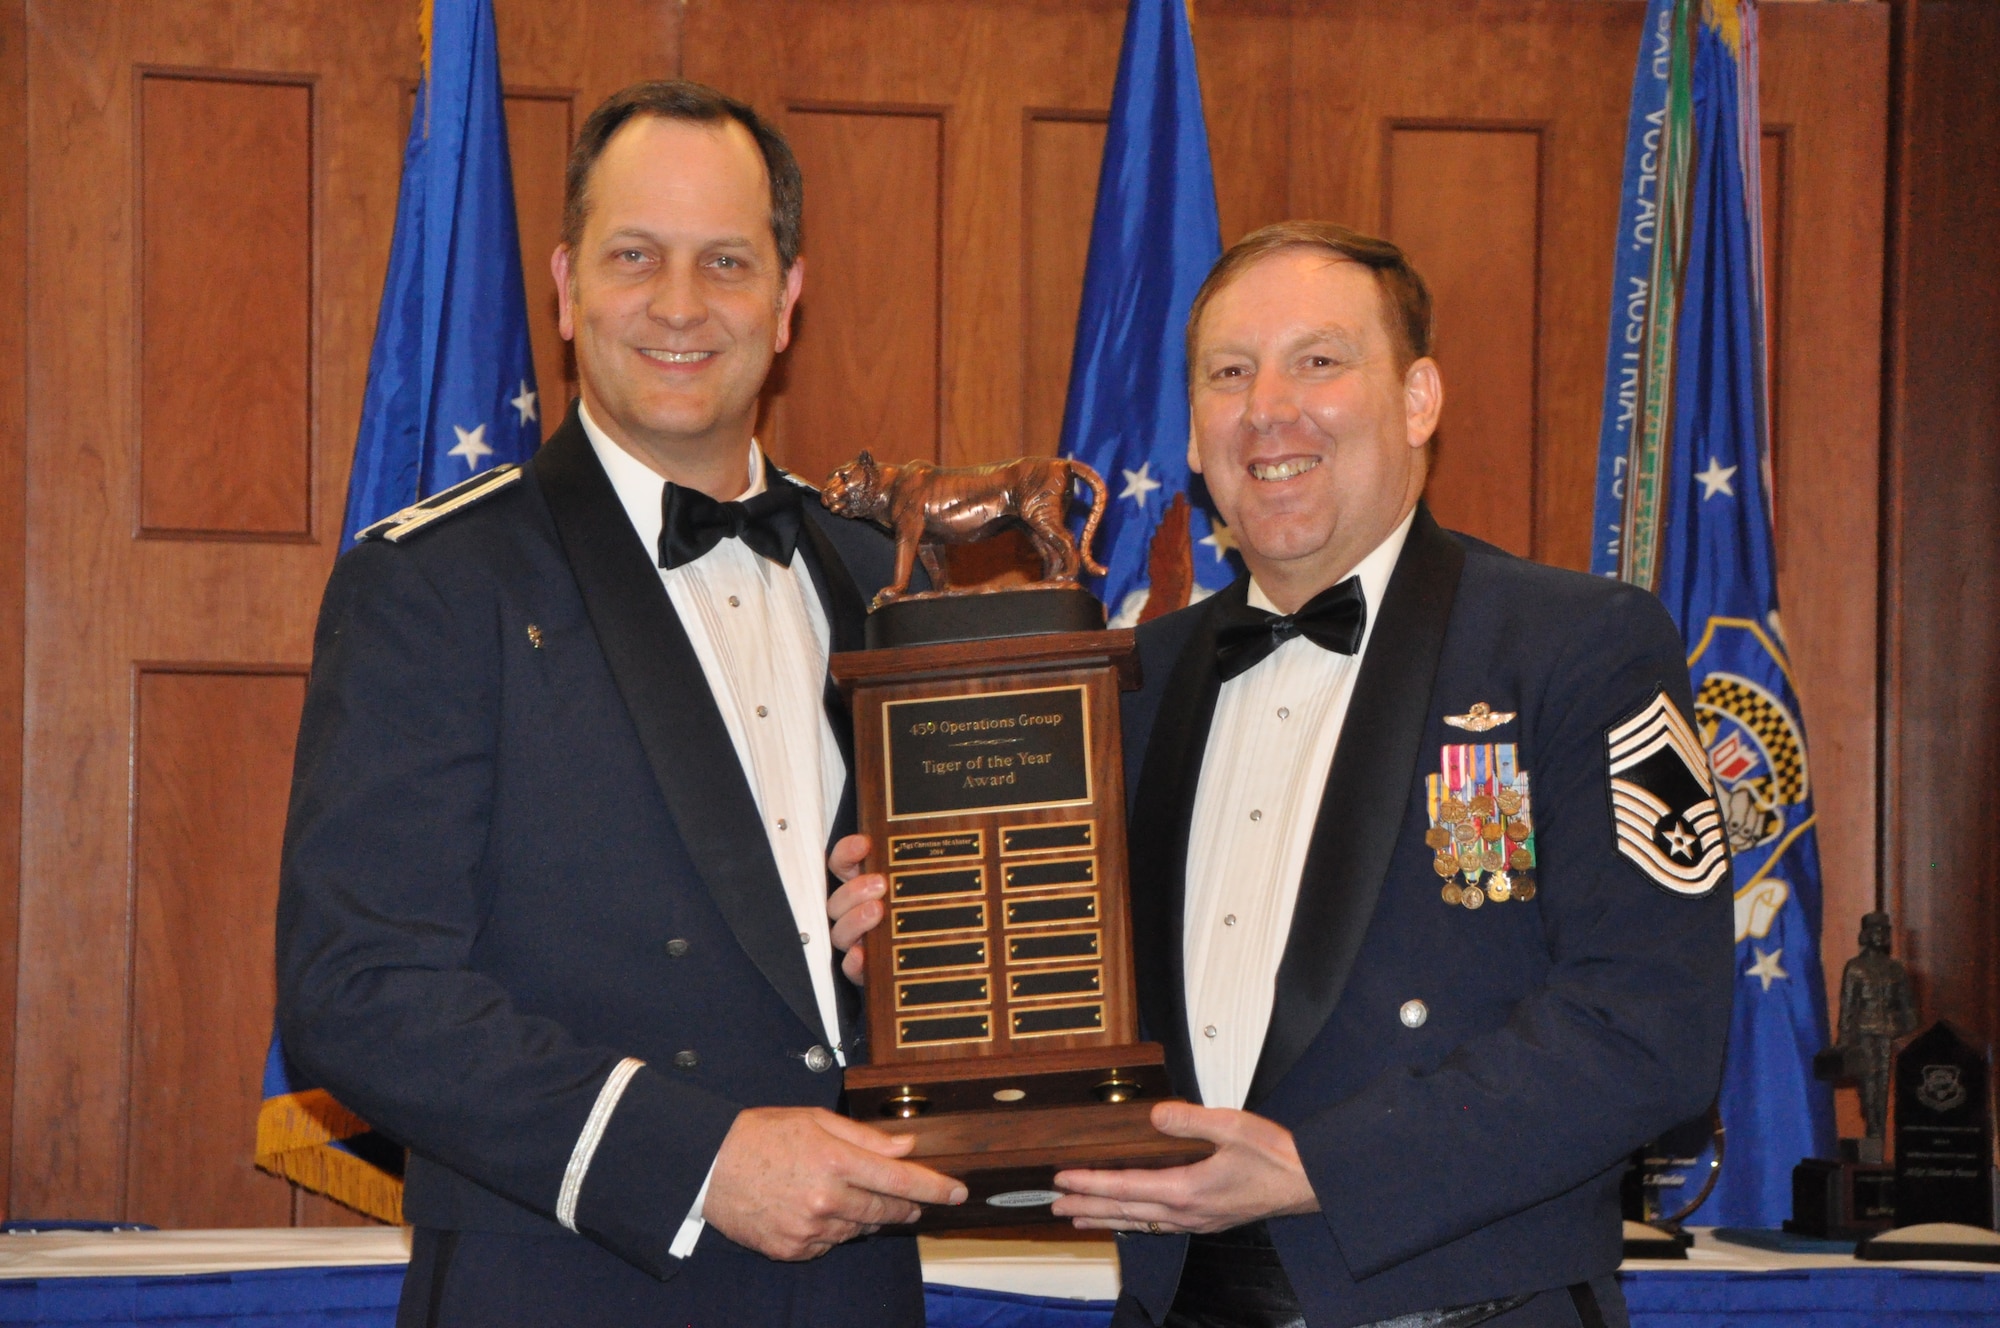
[
  {"x": 1431, "y": 893},
  {"x": 553, "y": 903}
]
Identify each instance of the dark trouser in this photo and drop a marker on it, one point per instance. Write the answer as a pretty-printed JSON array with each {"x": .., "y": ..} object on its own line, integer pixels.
[
  {"x": 478, "y": 1279},
  {"x": 1233, "y": 1279}
]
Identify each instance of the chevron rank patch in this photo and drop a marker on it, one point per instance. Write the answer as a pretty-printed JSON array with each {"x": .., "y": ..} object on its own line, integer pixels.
[{"x": 1663, "y": 800}]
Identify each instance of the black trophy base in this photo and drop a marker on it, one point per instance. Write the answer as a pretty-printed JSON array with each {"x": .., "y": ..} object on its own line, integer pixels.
[
  {"x": 1932, "y": 1240},
  {"x": 935, "y": 619},
  {"x": 1643, "y": 1240},
  {"x": 1842, "y": 1200}
]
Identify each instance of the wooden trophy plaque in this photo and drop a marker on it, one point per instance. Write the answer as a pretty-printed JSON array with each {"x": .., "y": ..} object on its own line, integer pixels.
[{"x": 1002, "y": 1016}]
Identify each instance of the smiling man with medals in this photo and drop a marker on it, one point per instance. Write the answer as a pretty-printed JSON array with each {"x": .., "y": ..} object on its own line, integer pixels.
[{"x": 1429, "y": 877}]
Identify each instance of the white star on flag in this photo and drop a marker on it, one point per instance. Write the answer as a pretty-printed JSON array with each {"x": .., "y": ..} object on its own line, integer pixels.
[
  {"x": 525, "y": 403},
  {"x": 1766, "y": 967},
  {"x": 472, "y": 446},
  {"x": 1139, "y": 483},
  {"x": 1220, "y": 538},
  {"x": 1715, "y": 480}
]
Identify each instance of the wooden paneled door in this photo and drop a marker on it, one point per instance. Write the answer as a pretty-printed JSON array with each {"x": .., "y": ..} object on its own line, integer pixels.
[{"x": 213, "y": 192}]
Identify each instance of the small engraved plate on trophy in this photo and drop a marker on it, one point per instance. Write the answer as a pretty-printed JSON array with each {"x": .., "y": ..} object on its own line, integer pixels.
[
  {"x": 1061, "y": 945},
  {"x": 1055, "y": 982},
  {"x": 1047, "y": 1021},
  {"x": 944, "y": 1028},
  {"x": 988, "y": 751},
  {"x": 928, "y": 958},
  {"x": 1051, "y": 910},
  {"x": 1045, "y": 838},
  {"x": 1058, "y": 871},
  {"x": 921, "y": 921},
  {"x": 942, "y": 991},
  {"x": 925, "y": 885},
  {"x": 935, "y": 848}
]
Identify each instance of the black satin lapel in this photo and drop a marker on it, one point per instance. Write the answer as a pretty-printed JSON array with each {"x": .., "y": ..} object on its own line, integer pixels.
[
  {"x": 666, "y": 693},
  {"x": 1367, "y": 792},
  {"x": 846, "y": 618},
  {"x": 1161, "y": 814}
]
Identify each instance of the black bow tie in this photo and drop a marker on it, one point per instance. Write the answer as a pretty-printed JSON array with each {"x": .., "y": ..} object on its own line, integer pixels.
[
  {"x": 1332, "y": 620},
  {"x": 694, "y": 523}
]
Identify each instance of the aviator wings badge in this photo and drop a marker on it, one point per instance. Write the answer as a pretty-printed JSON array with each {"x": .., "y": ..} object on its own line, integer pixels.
[
  {"x": 1480, "y": 718},
  {"x": 1663, "y": 800}
]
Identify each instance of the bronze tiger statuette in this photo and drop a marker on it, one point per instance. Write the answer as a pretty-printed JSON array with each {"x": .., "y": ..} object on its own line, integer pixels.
[{"x": 928, "y": 506}]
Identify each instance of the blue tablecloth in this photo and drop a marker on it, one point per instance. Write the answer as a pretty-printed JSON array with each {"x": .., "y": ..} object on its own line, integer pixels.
[{"x": 1858, "y": 1297}]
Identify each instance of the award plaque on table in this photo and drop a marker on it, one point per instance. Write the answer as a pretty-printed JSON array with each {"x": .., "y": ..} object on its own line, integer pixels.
[
  {"x": 1945, "y": 1184},
  {"x": 1002, "y": 1019}
]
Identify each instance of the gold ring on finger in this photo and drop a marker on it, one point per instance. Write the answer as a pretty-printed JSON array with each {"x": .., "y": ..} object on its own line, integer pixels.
[{"x": 1152, "y": 1228}]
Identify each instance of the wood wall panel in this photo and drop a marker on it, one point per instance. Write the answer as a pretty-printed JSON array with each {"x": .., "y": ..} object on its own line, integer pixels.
[
  {"x": 867, "y": 376},
  {"x": 1941, "y": 579},
  {"x": 1825, "y": 79},
  {"x": 1448, "y": 185},
  {"x": 539, "y": 129},
  {"x": 102, "y": 601},
  {"x": 13, "y": 524},
  {"x": 1059, "y": 197},
  {"x": 225, "y": 323},
  {"x": 212, "y": 767}
]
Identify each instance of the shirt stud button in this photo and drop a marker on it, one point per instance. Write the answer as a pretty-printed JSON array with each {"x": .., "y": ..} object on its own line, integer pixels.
[
  {"x": 783, "y": 824},
  {"x": 762, "y": 712},
  {"x": 819, "y": 1060},
  {"x": 1256, "y": 815},
  {"x": 805, "y": 939},
  {"x": 735, "y": 603},
  {"x": 1284, "y": 712},
  {"x": 686, "y": 1060},
  {"x": 1413, "y": 1014},
  {"x": 676, "y": 948},
  {"x": 1229, "y": 921},
  {"x": 1209, "y": 1031}
]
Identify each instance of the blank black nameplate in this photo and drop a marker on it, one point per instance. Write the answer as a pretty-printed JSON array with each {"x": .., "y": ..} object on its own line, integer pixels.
[
  {"x": 1058, "y": 1019},
  {"x": 1062, "y": 871},
  {"x": 1043, "y": 838},
  {"x": 923, "y": 885},
  {"x": 924, "y": 958},
  {"x": 935, "y": 848},
  {"x": 959, "y": 917},
  {"x": 944, "y": 991},
  {"x": 1041, "y": 912},
  {"x": 946, "y": 1028},
  {"x": 1062, "y": 945},
  {"x": 1056, "y": 982}
]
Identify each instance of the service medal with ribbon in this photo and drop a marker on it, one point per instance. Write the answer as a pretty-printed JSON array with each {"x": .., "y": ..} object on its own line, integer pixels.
[{"x": 1481, "y": 825}]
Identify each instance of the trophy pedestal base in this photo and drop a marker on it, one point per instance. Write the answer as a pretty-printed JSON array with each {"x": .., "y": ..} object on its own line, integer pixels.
[
  {"x": 1643, "y": 1240},
  {"x": 1933, "y": 1240},
  {"x": 1009, "y": 1159},
  {"x": 1842, "y": 1200}
]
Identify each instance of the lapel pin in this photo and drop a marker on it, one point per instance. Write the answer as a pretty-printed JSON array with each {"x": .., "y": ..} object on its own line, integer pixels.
[
  {"x": 1480, "y": 718},
  {"x": 534, "y": 636}
]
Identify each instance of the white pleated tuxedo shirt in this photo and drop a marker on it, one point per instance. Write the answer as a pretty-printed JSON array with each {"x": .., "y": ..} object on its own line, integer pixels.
[
  {"x": 762, "y": 638},
  {"x": 1270, "y": 747}
]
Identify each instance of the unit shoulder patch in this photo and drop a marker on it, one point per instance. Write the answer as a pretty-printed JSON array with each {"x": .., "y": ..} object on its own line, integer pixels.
[
  {"x": 401, "y": 525},
  {"x": 1663, "y": 800}
]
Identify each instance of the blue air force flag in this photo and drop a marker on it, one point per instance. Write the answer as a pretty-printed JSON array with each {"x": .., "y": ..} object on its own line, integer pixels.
[
  {"x": 451, "y": 380},
  {"x": 1691, "y": 519},
  {"x": 1152, "y": 241},
  {"x": 451, "y": 393}
]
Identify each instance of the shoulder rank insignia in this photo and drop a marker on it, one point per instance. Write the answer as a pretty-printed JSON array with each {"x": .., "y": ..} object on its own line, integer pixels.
[
  {"x": 1481, "y": 824},
  {"x": 1663, "y": 800},
  {"x": 1480, "y": 718},
  {"x": 398, "y": 527}
]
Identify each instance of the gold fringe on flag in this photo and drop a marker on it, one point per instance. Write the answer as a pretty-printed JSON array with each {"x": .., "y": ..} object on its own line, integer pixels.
[{"x": 295, "y": 1134}]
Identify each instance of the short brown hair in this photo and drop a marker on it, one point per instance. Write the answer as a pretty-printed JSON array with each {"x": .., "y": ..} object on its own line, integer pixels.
[
  {"x": 1406, "y": 301},
  {"x": 696, "y": 103}
]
